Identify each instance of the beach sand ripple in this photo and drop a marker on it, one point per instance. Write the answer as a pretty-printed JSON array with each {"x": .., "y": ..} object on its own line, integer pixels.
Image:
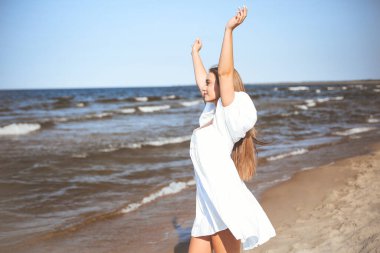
[{"x": 335, "y": 208}]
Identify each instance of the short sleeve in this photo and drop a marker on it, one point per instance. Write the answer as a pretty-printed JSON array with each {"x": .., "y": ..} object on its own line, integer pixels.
[
  {"x": 240, "y": 116},
  {"x": 207, "y": 114}
]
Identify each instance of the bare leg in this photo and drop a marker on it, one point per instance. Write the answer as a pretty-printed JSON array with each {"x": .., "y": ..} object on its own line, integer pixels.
[
  {"x": 201, "y": 244},
  {"x": 225, "y": 242}
]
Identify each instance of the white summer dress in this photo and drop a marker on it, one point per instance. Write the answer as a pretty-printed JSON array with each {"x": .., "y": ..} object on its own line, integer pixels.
[{"x": 222, "y": 198}]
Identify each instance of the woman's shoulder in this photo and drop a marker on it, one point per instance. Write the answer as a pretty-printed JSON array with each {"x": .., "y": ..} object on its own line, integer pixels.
[{"x": 239, "y": 96}]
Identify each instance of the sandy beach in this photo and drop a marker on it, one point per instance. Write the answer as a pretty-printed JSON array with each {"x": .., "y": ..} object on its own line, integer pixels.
[{"x": 333, "y": 208}]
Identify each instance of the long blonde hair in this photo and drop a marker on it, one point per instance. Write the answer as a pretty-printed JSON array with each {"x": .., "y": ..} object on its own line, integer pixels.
[{"x": 244, "y": 153}]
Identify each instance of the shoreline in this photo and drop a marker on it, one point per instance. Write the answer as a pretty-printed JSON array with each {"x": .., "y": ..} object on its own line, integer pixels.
[
  {"x": 331, "y": 208},
  {"x": 326, "y": 175}
]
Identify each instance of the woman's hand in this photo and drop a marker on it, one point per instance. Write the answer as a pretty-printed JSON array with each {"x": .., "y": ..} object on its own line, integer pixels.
[
  {"x": 197, "y": 45},
  {"x": 238, "y": 18}
]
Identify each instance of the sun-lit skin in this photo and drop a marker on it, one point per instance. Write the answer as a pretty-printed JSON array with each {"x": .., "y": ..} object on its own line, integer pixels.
[{"x": 210, "y": 91}]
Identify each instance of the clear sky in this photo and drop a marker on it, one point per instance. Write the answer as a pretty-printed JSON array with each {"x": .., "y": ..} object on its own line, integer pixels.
[{"x": 120, "y": 43}]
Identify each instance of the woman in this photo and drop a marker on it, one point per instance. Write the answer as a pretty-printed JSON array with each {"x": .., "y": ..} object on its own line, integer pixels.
[{"x": 223, "y": 153}]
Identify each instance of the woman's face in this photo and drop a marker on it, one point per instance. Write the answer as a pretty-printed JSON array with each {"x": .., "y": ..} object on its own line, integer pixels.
[{"x": 210, "y": 91}]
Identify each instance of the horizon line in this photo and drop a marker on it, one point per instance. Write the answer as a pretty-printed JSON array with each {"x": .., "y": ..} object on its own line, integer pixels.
[{"x": 193, "y": 84}]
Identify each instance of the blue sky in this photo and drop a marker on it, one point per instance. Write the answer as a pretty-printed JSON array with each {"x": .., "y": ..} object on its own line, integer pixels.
[{"x": 109, "y": 43}]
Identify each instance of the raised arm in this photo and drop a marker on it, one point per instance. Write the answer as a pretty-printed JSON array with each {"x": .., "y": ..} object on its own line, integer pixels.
[
  {"x": 199, "y": 70},
  {"x": 226, "y": 60}
]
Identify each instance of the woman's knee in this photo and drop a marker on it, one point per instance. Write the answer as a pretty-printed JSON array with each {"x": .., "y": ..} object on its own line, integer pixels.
[
  {"x": 224, "y": 241},
  {"x": 201, "y": 244}
]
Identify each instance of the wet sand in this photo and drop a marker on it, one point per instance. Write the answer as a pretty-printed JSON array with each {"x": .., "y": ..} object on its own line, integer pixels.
[{"x": 333, "y": 208}]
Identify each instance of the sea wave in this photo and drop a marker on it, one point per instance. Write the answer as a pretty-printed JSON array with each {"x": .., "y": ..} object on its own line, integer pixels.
[
  {"x": 298, "y": 88},
  {"x": 338, "y": 98},
  {"x": 295, "y": 152},
  {"x": 322, "y": 100},
  {"x": 127, "y": 110},
  {"x": 310, "y": 102},
  {"x": 302, "y": 107},
  {"x": 371, "y": 119},
  {"x": 153, "y": 108},
  {"x": 290, "y": 113},
  {"x": 108, "y": 100},
  {"x": 159, "y": 142},
  {"x": 81, "y": 104},
  {"x": 313, "y": 102},
  {"x": 172, "y": 188},
  {"x": 355, "y": 130},
  {"x": 137, "y": 99},
  {"x": 169, "y": 97},
  {"x": 191, "y": 103},
  {"x": 19, "y": 128},
  {"x": 141, "y": 99}
]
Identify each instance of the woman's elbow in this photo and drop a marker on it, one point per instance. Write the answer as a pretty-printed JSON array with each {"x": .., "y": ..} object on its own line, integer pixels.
[{"x": 225, "y": 73}]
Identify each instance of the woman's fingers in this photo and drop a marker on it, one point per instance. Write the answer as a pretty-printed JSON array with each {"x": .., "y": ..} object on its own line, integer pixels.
[{"x": 242, "y": 14}]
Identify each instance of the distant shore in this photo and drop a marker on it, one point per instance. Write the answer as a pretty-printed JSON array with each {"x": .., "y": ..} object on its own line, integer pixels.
[{"x": 346, "y": 82}]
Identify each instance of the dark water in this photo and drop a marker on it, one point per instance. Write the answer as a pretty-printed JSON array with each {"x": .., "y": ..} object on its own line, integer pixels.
[{"x": 79, "y": 156}]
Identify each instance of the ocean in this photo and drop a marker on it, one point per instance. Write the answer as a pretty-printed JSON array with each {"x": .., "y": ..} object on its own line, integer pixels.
[{"x": 84, "y": 166}]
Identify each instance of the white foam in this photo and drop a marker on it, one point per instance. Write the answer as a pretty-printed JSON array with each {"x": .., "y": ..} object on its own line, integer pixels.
[
  {"x": 109, "y": 149},
  {"x": 168, "y": 97},
  {"x": 376, "y": 90},
  {"x": 128, "y": 110},
  {"x": 99, "y": 115},
  {"x": 297, "y": 88},
  {"x": 19, "y": 128},
  {"x": 61, "y": 119},
  {"x": 191, "y": 103},
  {"x": 354, "y": 131},
  {"x": 317, "y": 91},
  {"x": 164, "y": 141},
  {"x": 331, "y": 88},
  {"x": 275, "y": 89},
  {"x": 172, "y": 188},
  {"x": 322, "y": 100},
  {"x": 310, "y": 102},
  {"x": 307, "y": 168},
  {"x": 79, "y": 155},
  {"x": 344, "y": 88},
  {"x": 80, "y": 104},
  {"x": 141, "y": 99},
  {"x": 338, "y": 98},
  {"x": 372, "y": 120},
  {"x": 153, "y": 108},
  {"x": 289, "y": 114},
  {"x": 295, "y": 152},
  {"x": 158, "y": 142},
  {"x": 302, "y": 107}
]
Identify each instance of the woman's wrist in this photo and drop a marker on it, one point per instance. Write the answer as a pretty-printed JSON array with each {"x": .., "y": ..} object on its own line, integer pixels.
[
  {"x": 228, "y": 29},
  {"x": 193, "y": 51}
]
